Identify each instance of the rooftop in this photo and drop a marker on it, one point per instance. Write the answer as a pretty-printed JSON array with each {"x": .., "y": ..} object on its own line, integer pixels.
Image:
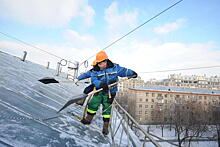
[{"x": 177, "y": 89}]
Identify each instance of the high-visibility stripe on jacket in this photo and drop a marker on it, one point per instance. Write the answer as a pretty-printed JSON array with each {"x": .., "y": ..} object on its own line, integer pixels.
[{"x": 110, "y": 74}]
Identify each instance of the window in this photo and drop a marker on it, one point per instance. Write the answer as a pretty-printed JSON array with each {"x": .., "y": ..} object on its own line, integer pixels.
[
  {"x": 140, "y": 106},
  {"x": 140, "y": 100},
  {"x": 153, "y": 94},
  {"x": 146, "y": 106},
  {"x": 145, "y": 112},
  {"x": 140, "y": 112},
  {"x": 152, "y": 100},
  {"x": 152, "y": 106},
  {"x": 146, "y": 93},
  {"x": 146, "y": 100}
]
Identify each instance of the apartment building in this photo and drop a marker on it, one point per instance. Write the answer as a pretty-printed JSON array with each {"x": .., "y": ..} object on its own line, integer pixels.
[
  {"x": 123, "y": 87},
  {"x": 191, "y": 81},
  {"x": 155, "y": 104}
]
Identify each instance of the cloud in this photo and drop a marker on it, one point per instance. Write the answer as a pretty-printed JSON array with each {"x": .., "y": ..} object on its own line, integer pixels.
[
  {"x": 136, "y": 55},
  {"x": 88, "y": 14},
  {"x": 80, "y": 40},
  {"x": 169, "y": 27},
  {"x": 117, "y": 21},
  {"x": 49, "y": 13},
  {"x": 147, "y": 56}
]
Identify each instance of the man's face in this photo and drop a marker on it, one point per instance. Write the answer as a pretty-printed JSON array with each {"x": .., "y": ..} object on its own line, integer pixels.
[{"x": 102, "y": 65}]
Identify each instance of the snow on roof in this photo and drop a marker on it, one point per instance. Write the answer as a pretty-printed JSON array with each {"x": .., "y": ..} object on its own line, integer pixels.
[
  {"x": 178, "y": 89},
  {"x": 24, "y": 102}
]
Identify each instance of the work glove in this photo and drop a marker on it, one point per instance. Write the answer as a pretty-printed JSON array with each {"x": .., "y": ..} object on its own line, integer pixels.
[
  {"x": 110, "y": 100},
  {"x": 104, "y": 86},
  {"x": 88, "y": 89},
  {"x": 134, "y": 75},
  {"x": 112, "y": 81}
]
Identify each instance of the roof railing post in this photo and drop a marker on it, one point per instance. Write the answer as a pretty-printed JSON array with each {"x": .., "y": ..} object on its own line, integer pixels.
[
  {"x": 58, "y": 69},
  {"x": 24, "y": 56},
  {"x": 48, "y": 65}
]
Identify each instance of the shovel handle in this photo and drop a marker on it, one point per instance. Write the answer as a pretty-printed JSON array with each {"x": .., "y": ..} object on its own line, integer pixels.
[{"x": 109, "y": 94}]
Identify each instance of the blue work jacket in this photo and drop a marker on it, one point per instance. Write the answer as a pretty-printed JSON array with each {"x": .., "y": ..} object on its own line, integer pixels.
[
  {"x": 110, "y": 74},
  {"x": 85, "y": 75}
]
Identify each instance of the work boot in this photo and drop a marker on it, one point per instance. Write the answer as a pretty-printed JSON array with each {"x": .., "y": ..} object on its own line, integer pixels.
[
  {"x": 105, "y": 128},
  {"x": 87, "y": 120},
  {"x": 80, "y": 102}
]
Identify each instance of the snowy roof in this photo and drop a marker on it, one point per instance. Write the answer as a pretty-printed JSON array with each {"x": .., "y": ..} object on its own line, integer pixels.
[
  {"x": 178, "y": 89},
  {"x": 25, "y": 103}
]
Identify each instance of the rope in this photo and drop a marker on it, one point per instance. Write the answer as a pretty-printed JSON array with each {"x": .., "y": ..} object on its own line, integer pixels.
[
  {"x": 28, "y": 44},
  {"x": 135, "y": 29},
  {"x": 84, "y": 111},
  {"x": 26, "y": 118},
  {"x": 182, "y": 69},
  {"x": 40, "y": 120},
  {"x": 96, "y": 91},
  {"x": 99, "y": 115}
]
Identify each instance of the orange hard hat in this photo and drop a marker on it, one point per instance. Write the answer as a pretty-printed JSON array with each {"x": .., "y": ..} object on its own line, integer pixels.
[
  {"x": 101, "y": 56},
  {"x": 94, "y": 63}
]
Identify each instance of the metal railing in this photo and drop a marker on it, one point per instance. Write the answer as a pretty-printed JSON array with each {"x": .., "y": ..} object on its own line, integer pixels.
[{"x": 122, "y": 122}]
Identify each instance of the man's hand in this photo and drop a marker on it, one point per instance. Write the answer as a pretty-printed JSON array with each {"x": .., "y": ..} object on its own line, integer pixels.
[
  {"x": 112, "y": 81},
  {"x": 104, "y": 86},
  {"x": 110, "y": 100},
  {"x": 133, "y": 76}
]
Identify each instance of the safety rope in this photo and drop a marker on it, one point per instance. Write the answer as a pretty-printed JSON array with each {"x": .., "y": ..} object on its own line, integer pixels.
[
  {"x": 179, "y": 69},
  {"x": 95, "y": 92},
  {"x": 155, "y": 16},
  {"x": 40, "y": 120},
  {"x": 30, "y": 118},
  {"x": 85, "y": 109},
  {"x": 28, "y": 44}
]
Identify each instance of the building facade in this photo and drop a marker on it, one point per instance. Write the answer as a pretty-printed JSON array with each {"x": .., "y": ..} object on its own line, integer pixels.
[
  {"x": 191, "y": 81},
  {"x": 124, "y": 92},
  {"x": 158, "y": 104}
]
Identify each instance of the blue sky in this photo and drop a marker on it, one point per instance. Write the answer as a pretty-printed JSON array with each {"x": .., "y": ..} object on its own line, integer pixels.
[{"x": 185, "y": 36}]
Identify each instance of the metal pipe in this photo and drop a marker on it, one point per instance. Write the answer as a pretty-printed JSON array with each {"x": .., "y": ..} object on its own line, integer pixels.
[
  {"x": 132, "y": 119},
  {"x": 24, "y": 57},
  {"x": 48, "y": 64}
]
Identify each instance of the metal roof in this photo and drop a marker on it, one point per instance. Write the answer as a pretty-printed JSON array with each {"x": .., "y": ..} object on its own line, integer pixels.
[
  {"x": 26, "y": 104},
  {"x": 178, "y": 89}
]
